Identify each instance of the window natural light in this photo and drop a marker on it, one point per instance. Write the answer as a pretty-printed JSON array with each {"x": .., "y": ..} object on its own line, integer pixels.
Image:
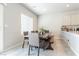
[{"x": 26, "y": 23}]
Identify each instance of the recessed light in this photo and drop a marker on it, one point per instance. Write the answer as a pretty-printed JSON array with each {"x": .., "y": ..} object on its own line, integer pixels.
[{"x": 67, "y": 5}]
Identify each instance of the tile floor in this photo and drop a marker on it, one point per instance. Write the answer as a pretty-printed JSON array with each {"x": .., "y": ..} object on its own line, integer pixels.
[{"x": 60, "y": 49}]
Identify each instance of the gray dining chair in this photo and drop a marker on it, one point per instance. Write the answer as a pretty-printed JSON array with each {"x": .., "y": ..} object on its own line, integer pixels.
[
  {"x": 25, "y": 35},
  {"x": 33, "y": 41}
]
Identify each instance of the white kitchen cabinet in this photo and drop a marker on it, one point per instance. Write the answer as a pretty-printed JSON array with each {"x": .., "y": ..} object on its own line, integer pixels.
[
  {"x": 71, "y": 19},
  {"x": 75, "y": 19},
  {"x": 66, "y": 20},
  {"x": 72, "y": 39}
]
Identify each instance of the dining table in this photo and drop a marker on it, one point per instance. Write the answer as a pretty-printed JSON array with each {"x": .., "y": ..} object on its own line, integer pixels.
[{"x": 45, "y": 42}]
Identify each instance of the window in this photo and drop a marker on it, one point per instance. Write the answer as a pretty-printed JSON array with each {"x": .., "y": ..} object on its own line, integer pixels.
[{"x": 26, "y": 23}]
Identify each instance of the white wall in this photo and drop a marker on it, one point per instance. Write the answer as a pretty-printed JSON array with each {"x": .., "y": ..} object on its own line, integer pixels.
[
  {"x": 53, "y": 22},
  {"x": 12, "y": 20},
  {"x": 35, "y": 23},
  {"x": 1, "y": 27}
]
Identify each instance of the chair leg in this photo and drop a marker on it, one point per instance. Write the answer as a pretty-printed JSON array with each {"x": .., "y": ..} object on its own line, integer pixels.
[
  {"x": 31, "y": 48},
  {"x": 38, "y": 51},
  {"x": 23, "y": 44},
  {"x": 29, "y": 51}
]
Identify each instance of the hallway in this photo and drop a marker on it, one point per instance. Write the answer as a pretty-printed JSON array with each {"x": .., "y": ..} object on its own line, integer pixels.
[{"x": 60, "y": 49}]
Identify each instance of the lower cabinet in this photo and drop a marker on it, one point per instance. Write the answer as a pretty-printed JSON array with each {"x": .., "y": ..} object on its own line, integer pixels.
[{"x": 72, "y": 39}]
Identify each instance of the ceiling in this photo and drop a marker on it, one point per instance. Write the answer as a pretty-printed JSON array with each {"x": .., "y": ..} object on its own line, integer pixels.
[{"x": 44, "y": 8}]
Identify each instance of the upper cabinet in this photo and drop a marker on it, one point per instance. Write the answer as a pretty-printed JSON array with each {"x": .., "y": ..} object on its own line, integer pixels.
[
  {"x": 71, "y": 19},
  {"x": 66, "y": 20},
  {"x": 75, "y": 19}
]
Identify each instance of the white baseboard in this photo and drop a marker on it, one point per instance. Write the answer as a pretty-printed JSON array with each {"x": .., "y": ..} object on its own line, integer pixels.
[
  {"x": 73, "y": 50},
  {"x": 14, "y": 46}
]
